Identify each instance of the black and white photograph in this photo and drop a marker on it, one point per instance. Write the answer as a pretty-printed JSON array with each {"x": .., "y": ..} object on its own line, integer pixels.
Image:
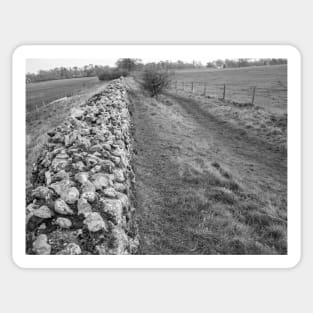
[{"x": 147, "y": 155}]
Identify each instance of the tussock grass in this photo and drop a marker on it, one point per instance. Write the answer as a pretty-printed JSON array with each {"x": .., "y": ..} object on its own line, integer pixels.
[{"x": 213, "y": 216}]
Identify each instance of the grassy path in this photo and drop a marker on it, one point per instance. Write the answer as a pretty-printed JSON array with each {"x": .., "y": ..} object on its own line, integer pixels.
[{"x": 203, "y": 187}]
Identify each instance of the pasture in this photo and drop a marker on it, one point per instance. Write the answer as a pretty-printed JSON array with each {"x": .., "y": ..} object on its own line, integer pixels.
[
  {"x": 41, "y": 93},
  {"x": 270, "y": 83}
]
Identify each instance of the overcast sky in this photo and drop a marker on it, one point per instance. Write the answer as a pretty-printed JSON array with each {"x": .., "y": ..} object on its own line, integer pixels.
[{"x": 34, "y": 65}]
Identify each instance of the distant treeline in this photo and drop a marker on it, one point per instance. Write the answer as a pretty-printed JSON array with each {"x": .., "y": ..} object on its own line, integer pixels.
[
  {"x": 244, "y": 62},
  {"x": 66, "y": 72},
  {"x": 127, "y": 65}
]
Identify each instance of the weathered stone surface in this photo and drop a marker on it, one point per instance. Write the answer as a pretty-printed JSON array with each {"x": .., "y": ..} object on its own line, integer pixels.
[
  {"x": 59, "y": 164},
  {"x": 70, "y": 195},
  {"x": 95, "y": 222},
  {"x": 61, "y": 175},
  {"x": 42, "y": 192},
  {"x": 61, "y": 207},
  {"x": 110, "y": 192},
  {"x": 63, "y": 222},
  {"x": 101, "y": 181},
  {"x": 90, "y": 196},
  {"x": 41, "y": 246},
  {"x": 83, "y": 207},
  {"x": 71, "y": 249},
  {"x": 114, "y": 208},
  {"x": 60, "y": 186},
  {"x": 43, "y": 212},
  {"x": 119, "y": 175},
  {"x": 82, "y": 177},
  {"x": 120, "y": 187}
]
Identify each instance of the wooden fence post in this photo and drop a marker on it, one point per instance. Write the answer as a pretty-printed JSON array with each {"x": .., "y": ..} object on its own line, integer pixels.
[
  {"x": 191, "y": 87},
  {"x": 253, "y": 95},
  {"x": 204, "y": 89},
  {"x": 224, "y": 92}
]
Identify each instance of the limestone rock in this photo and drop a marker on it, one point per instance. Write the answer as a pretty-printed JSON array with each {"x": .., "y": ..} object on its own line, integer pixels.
[
  {"x": 61, "y": 207},
  {"x": 43, "y": 212},
  {"x": 82, "y": 177},
  {"x": 42, "y": 192},
  {"x": 101, "y": 181},
  {"x": 70, "y": 195},
  {"x": 114, "y": 208},
  {"x": 83, "y": 207},
  {"x": 119, "y": 175},
  {"x": 95, "y": 222},
  {"x": 110, "y": 192},
  {"x": 63, "y": 222},
  {"x": 71, "y": 249},
  {"x": 41, "y": 246}
]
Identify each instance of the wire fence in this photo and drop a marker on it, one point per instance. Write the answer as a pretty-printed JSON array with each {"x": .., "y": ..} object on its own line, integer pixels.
[{"x": 235, "y": 93}]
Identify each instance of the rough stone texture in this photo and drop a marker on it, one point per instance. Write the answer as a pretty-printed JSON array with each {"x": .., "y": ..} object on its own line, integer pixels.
[
  {"x": 81, "y": 185},
  {"x": 95, "y": 222},
  {"x": 41, "y": 246},
  {"x": 71, "y": 249},
  {"x": 63, "y": 222}
]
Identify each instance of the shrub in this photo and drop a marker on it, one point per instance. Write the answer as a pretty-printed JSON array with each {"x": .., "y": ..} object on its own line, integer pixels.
[
  {"x": 112, "y": 74},
  {"x": 155, "y": 81}
]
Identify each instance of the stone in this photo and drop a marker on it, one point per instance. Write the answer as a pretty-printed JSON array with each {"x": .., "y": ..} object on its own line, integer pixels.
[
  {"x": 96, "y": 148},
  {"x": 60, "y": 186},
  {"x": 88, "y": 187},
  {"x": 107, "y": 146},
  {"x": 42, "y": 192},
  {"x": 80, "y": 166},
  {"x": 101, "y": 181},
  {"x": 61, "y": 207},
  {"x": 123, "y": 198},
  {"x": 96, "y": 169},
  {"x": 70, "y": 195},
  {"x": 61, "y": 175},
  {"x": 110, "y": 192},
  {"x": 83, "y": 207},
  {"x": 43, "y": 212},
  {"x": 82, "y": 177},
  {"x": 120, "y": 243},
  {"x": 59, "y": 164},
  {"x": 71, "y": 249},
  {"x": 63, "y": 222},
  {"x": 41, "y": 246},
  {"x": 120, "y": 187},
  {"x": 116, "y": 160},
  {"x": 90, "y": 196},
  {"x": 114, "y": 208},
  {"x": 107, "y": 166},
  {"x": 48, "y": 177},
  {"x": 119, "y": 175},
  {"x": 95, "y": 222}
]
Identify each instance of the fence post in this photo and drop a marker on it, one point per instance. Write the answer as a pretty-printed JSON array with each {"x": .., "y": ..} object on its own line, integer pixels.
[
  {"x": 204, "y": 89},
  {"x": 191, "y": 87},
  {"x": 224, "y": 92},
  {"x": 253, "y": 95}
]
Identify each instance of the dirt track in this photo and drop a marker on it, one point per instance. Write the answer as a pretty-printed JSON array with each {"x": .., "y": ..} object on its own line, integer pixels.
[{"x": 175, "y": 138}]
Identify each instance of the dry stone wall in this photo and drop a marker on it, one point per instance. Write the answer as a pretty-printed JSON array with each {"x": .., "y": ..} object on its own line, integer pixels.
[{"x": 80, "y": 202}]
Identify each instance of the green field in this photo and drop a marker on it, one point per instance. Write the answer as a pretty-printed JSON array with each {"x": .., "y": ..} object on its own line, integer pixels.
[
  {"x": 270, "y": 83},
  {"x": 38, "y": 94}
]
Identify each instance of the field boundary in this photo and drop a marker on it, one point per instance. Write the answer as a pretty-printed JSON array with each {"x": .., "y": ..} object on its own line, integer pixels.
[{"x": 221, "y": 91}]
